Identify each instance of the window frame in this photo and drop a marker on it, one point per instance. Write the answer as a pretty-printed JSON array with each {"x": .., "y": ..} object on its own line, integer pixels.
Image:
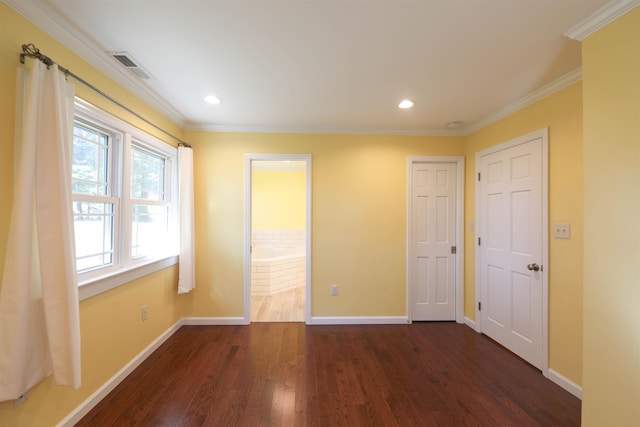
[
  {"x": 168, "y": 196},
  {"x": 114, "y": 175},
  {"x": 125, "y": 268}
]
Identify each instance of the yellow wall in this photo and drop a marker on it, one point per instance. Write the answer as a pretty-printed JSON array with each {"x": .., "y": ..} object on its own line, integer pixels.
[
  {"x": 358, "y": 218},
  {"x": 279, "y": 200},
  {"x": 111, "y": 330},
  {"x": 359, "y": 225},
  {"x": 562, "y": 114},
  {"x": 612, "y": 232}
]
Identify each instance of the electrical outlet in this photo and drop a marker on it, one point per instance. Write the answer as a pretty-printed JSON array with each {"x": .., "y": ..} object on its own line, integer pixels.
[
  {"x": 561, "y": 231},
  {"x": 334, "y": 290},
  {"x": 144, "y": 313}
]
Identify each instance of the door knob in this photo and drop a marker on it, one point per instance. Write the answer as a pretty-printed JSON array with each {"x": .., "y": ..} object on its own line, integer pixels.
[{"x": 533, "y": 267}]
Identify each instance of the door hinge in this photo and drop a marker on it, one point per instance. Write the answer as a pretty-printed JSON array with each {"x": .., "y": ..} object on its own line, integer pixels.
[
  {"x": 478, "y": 241},
  {"x": 478, "y": 176},
  {"x": 453, "y": 250},
  {"x": 479, "y": 306}
]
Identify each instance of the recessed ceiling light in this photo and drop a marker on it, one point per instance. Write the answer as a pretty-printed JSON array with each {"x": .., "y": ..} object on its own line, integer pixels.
[
  {"x": 405, "y": 104},
  {"x": 453, "y": 125},
  {"x": 212, "y": 99}
]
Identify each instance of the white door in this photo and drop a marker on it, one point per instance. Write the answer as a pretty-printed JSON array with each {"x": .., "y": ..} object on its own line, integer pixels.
[
  {"x": 511, "y": 248},
  {"x": 433, "y": 240}
]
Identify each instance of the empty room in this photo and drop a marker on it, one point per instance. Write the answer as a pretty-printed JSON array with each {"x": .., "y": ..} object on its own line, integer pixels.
[{"x": 397, "y": 213}]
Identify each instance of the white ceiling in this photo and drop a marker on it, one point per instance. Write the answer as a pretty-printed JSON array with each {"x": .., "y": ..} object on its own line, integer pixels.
[{"x": 326, "y": 66}]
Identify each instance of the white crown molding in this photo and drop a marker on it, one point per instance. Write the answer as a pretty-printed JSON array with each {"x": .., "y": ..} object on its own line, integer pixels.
[
  {"x": 557, "y": 85},
  {"x": 321, "y": 130},
  {"x": 602, "y": 17},
  {"x": 94, "y": 55},
  {"x": 34, "y": 12}
]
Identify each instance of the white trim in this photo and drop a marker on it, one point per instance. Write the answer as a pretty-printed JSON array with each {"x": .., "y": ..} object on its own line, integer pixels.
[
  {"x": 544, "y": 135},
  {"x": 545, "y": 249},
  {"x": 537, "y": 95},
  {"x": 95, "y": 398},
  {"x": 470, "y": 323},
  {"x": 601, "y": 18},
  {"x": 562, "y": 82},
  {"x": 125, "y": 268},
  {"x": 459, "y": 161},
  {"x": 248, "y": 158},
  {"x": 565, "y": 383},
  {"x": 88, "y": 404},
  {"x": 364, "y": 320},
  {"x": 320, "y": 130},
  {"x": 103, "y": 284},
  {"x": 213, "y": 321},
  {"x": 42, "y": 17},
  {"x": 552, "y": 375},
  {"x": 47, "y": 18},
  {"x": 83, "y": 409}
]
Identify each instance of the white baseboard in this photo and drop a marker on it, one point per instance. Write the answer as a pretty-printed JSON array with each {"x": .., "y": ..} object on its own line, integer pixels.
[
  {"x": 374, "y": 320},
  {"x": 213, "y": 321},
  {"x": 470, "y": 323},
  {"x": 565, "y": 383},
  {"x": 84, "y": 408},
  {"x": 95, "y": 398}
]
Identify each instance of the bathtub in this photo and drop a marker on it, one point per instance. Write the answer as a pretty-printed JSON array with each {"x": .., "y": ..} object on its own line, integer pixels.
[{"x": 276, "y": 269}]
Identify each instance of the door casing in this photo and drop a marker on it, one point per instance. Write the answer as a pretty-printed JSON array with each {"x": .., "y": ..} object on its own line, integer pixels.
[
  {"x": 248, "y": 158},
  {"x": 544, "y": 135},
  {"x": 459, "y": 220}
]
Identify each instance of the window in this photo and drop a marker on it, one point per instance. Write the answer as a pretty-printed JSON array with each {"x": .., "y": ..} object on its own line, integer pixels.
[
  {"x": 149, "y": 206},
  {"x": 94, "y": 205},
  {"x": 124, "y": 206}
]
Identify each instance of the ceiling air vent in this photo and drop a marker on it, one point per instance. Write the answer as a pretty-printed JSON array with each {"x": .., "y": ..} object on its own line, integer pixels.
[{"x": 130, "y": 64}]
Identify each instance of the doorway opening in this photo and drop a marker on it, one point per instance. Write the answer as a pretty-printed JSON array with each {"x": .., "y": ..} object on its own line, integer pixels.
[{"x": 277, "y": 238}]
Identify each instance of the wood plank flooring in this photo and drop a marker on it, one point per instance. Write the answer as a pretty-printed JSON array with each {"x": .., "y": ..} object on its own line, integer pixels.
[
  {"x": 291, "y": 374},
  {"x": 286, "y": 306}
]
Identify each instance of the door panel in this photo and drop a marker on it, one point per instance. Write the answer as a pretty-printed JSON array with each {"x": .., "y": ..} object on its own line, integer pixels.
[
  {"x": 433, "y": 233},
  {"x": 510, "y": 192}
]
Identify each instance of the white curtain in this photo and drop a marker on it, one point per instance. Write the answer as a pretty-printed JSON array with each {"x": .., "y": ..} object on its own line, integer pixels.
[
  {"x": 39, "y": 312},
  {"x": 187, "y": 266}
]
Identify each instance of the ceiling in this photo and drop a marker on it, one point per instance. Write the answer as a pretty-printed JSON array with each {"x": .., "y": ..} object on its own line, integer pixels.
[{"x": 326, "y": 66}]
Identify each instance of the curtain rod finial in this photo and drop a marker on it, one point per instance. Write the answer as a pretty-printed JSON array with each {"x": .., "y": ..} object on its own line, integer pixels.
[{"x": 32, "y": 51}]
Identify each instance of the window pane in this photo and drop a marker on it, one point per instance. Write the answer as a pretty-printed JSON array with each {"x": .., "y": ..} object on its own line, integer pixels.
[
  {"x": 90, "y": 161},
  {"x": 93, "y": 224},
  {"x": 149, "y": 229},
  {"x": 147, "y": 175}
]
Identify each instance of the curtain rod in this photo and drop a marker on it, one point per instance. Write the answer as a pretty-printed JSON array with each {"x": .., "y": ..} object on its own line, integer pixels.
[{"x": 33, "y": 52}]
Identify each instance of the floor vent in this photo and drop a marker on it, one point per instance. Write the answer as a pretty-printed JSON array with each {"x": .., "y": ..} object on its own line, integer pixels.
[{"x": 131, "y": 64}]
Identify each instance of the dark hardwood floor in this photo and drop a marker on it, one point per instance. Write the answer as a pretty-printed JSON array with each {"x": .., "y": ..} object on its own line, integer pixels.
[{"x": 289, "y": 374}]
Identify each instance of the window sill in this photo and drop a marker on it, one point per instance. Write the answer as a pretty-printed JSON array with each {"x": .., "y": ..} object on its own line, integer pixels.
[{"x": 95, "y": 286}]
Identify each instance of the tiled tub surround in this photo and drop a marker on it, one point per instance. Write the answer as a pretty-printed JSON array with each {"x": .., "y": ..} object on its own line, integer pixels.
[
  {"x": 278, "y": 261},
  {"x": 279, "y": 238},
  {"x": 275, "y": 270}
]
